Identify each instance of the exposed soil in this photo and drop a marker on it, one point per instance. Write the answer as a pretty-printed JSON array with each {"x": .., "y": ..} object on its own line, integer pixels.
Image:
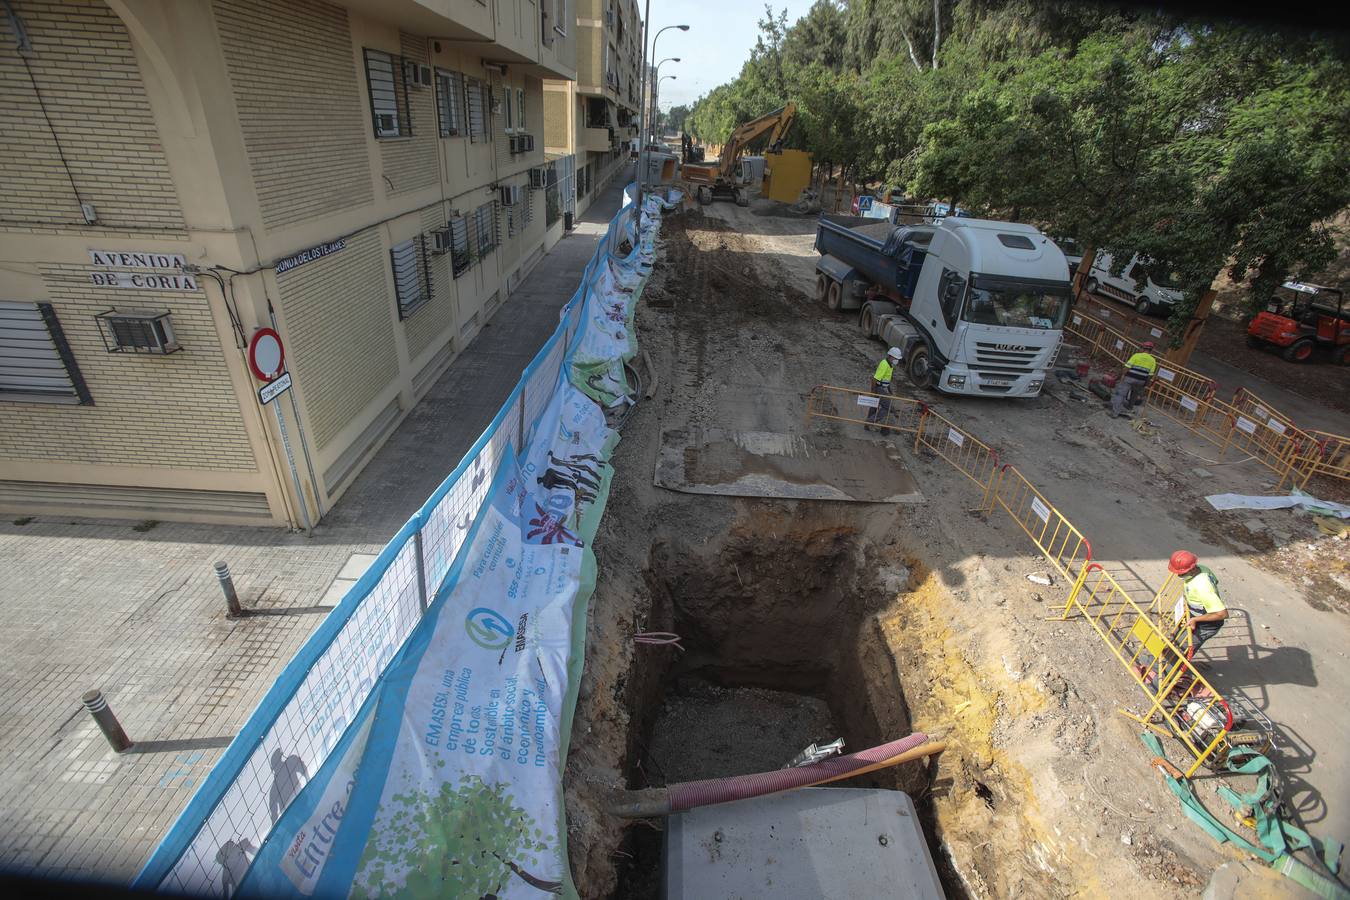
[{"x": 869, "y": 620}]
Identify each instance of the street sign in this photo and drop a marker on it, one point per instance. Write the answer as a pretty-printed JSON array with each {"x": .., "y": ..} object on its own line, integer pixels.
[
  {"x": 274, "y": 389},
  {"x": 266, "y": 355}
]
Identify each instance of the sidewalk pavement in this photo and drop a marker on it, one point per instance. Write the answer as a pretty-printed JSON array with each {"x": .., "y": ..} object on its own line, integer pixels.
[{"x": 135, "y": 611}]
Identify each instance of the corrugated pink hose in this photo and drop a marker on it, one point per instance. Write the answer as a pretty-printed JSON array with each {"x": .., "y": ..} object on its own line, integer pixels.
[{"x": 691, "y": 794}]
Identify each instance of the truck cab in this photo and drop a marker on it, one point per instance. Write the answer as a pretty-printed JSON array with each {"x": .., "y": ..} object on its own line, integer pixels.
[{"x": 991, "y": 298}]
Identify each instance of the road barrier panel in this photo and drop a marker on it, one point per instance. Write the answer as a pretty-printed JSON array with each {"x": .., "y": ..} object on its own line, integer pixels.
[
  {"x": 966, "y": 453},
  {"x": 898, "y": 414},
  {"x": 1178, "y": 694},
  {"x": 1064, "y": 546}
]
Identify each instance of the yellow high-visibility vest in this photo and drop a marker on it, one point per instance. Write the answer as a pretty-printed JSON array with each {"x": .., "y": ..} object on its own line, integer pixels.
[{"x": 884, "y": 372}]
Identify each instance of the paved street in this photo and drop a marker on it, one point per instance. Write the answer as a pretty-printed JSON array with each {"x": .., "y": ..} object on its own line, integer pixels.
[{"x": 139, "y": 615}]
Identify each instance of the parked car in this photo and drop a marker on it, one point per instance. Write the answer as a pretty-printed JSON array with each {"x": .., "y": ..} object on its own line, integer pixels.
[{"x": 1146, "y": 287}]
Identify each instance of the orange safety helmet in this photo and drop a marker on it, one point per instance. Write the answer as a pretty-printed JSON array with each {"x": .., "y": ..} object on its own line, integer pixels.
[
  {"x": 1146, "y": 345},
  {"x": 1182, "y": 562}
]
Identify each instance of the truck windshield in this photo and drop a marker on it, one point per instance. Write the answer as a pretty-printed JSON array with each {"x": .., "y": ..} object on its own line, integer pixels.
[{"x": 1008, "y": 303}]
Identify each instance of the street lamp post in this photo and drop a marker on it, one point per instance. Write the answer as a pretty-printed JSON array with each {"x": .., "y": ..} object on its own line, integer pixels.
[
  {"x": 656, "y": 108},
  {"x": 642, "y": 107},
  {"x": 656, "y": 83}
]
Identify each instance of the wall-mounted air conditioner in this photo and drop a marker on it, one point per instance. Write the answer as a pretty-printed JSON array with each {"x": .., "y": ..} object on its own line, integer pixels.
[
  {"x": 440, "y": 241},
  {"x": 416, "y": 74},
  {"x": 510, "y": 194},
  {"x": 538, "y": 179}
]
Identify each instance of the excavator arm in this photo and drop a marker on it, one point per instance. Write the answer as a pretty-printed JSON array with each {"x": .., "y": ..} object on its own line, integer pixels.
[{"x": 776, "y": 123}]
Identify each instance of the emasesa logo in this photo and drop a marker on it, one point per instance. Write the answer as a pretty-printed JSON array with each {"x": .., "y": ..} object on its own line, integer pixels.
[{"x": 488, "y": 628}]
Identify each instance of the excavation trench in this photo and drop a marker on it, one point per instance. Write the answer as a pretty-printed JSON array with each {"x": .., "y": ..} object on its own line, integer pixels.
[{"x": 782, "y": 649}]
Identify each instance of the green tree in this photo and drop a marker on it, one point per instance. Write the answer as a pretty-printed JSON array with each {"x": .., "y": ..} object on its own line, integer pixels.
[
  {"x": 817, "y": 38},
  {"x": 676, "y": 116},
  {"x": 465, "y": 841}
]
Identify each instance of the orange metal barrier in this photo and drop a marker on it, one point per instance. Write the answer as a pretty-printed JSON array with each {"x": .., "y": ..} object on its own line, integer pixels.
[
  {"x": 901, "y": 414},
  {"x": 1103, "y": 340},
  {"x": 967, "y": 454},
  {"x": 1064, "y": 546},
  {"x": 1329, "y": 456},
  {"x": 1178, "y": 694}
]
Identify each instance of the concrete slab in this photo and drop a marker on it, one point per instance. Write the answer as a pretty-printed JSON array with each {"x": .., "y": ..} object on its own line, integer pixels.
[
  {"x": 811, "y": 843},
  {"x": 789, "y": 466},
  {"x": 356, "y": 566}
]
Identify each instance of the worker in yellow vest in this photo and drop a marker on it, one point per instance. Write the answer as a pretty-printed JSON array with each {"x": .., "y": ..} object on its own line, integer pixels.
[
  {"x": 1129, "y": 392},
  {"x": 881, "y": 384}
]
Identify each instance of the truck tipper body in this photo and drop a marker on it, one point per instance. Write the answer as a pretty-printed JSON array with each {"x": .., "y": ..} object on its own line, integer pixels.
[{"x": 977, "y": 306}]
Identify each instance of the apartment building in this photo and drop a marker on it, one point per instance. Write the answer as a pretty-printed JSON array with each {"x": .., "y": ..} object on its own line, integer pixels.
[
  {"x": 366, "y": 178},
  {"x": 593, "y": 118}
]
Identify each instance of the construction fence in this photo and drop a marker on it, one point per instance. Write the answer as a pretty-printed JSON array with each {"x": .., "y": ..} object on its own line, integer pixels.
[
  {"x": 1151, "y": 641},
  {"x": 1247, "y": 424}
]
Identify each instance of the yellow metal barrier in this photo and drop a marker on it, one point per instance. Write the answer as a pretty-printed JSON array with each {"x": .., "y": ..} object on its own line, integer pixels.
[
  {"x": 1328, "y": 456},
  {"x": 1143, "y": 642},
  {"x": 966, "y": 453},
  {"x": 1272, "y": 442},
  {"x": 1103, "y": 340},
  {"x": 1064, "y": 546},
  {"x": 901, "y": 414},
  {"x": 1211, "y": 419}
]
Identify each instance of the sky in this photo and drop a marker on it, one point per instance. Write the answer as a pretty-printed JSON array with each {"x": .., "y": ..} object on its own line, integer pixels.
[{"x": 717, "y": 44}]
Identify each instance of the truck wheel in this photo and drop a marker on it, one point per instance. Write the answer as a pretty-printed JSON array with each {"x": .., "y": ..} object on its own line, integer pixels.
[
  {"x": 866, "y": 320},
  {"x": 822, "y": 285},
  {"x": 834, "y": 298},
  {"x": 919, "y": 367},
  {"x": 1142, "y": 306},
  {"x": 1090, "y": 285},
  {"x": 1300, "y": 350}
]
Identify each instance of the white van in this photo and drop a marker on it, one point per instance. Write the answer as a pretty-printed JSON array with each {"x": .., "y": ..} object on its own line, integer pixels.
[{"x": 1147, "y": 290}]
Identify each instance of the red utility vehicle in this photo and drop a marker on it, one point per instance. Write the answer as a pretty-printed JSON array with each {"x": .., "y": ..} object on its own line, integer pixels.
[{"x": 1302, "y": 317}]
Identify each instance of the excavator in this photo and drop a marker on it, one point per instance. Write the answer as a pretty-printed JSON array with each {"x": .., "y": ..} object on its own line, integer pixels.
[{"x": 729, "y": 178}]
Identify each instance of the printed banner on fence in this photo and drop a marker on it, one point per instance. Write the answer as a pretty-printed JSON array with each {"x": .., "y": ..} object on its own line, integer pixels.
[{"x": 439, "y": 773}]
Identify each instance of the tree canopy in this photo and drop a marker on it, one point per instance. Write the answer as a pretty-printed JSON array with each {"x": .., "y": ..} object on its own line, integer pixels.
[{"x": 1202, "y": 144}]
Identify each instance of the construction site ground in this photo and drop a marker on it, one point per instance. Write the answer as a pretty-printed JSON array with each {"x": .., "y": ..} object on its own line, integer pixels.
[{"x": 881, "y": 618}]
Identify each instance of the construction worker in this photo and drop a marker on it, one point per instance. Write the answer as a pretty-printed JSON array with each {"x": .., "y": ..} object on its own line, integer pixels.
[
  {"x": 1200, "y": 605},
  {"x": 881, "y": 384},
  {"x": 1139, "y": 368}
]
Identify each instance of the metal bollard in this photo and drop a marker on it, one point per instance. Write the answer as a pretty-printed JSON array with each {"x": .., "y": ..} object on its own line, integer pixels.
[
  {"x": 227, "y": 588},
  {"x": 107, "y": 722}
]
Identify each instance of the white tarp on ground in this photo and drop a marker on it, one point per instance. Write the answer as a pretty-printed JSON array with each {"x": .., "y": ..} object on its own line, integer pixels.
[
  {"x": 1297, "y": 498},
  {"x": 415, "y": 745}
]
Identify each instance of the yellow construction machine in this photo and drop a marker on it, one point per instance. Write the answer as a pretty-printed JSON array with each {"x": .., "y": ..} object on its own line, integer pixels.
[{"x": 733, "y": 175}]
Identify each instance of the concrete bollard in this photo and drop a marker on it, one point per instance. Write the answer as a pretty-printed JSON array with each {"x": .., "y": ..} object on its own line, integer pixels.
[
  {"x": 227, "y": 588},
  {"x": 107, "y": 722}
]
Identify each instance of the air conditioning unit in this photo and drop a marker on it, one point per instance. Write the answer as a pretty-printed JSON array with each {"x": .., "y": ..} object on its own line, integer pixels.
[
  {"x": 527, "y": 143},
  {"x": 440, "y": 241},
  {"x": 386, "y": 124},
  {"x": 538, "y": 179},
  {"x": 510, "y": 194},
  {"x": 416, "y": 74},
  {"x": 514, "y": 143}
]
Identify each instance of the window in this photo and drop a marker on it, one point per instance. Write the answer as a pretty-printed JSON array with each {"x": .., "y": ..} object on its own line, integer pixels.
[
  {"x": 460, "y": 257},
  {"x": 36, "y": 364},
  {"x": 485, "y": 227},
  {"x": 136, "y": 331},
  {"x": 1017, "y": 303},
  {"x": 412, "y": 275},
  {"x": 476, "y": 104},
  {"x": 560, "y": 16},
  {"x": 950, "y": 290},
  {"x": 450, "y": 102},
  {"x": 522, "y": 124},
  {"x": 510, "y": 122},
  {"x": 388, "y": 94}
]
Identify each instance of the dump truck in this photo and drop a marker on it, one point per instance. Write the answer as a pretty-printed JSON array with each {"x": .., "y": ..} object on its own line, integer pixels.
[{"x": 976, "y": 306}]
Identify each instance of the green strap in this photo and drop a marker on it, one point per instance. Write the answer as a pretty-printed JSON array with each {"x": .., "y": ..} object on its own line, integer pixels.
[{"x": 1279, "y": 838}]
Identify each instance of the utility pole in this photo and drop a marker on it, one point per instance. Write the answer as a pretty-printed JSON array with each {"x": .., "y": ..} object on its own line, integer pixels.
[{"x": 642, "y": 118}]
